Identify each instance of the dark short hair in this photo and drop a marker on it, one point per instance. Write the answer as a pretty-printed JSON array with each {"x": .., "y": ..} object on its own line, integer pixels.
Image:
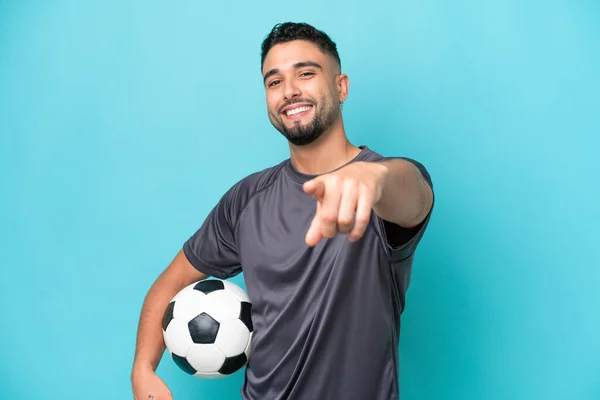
[{"x": 288, "y": 31}]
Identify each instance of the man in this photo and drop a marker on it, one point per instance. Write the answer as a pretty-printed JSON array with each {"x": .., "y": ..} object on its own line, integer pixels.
[{"x": 325, "y": 240}]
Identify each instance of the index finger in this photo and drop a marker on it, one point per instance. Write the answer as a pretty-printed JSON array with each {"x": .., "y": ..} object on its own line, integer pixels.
[
  {"x": 315, "y": 187},
  {"x": 363, "y": 213}
]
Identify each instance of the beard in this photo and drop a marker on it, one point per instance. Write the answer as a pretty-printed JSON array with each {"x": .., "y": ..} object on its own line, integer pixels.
[{"x": 301, "y": 135}]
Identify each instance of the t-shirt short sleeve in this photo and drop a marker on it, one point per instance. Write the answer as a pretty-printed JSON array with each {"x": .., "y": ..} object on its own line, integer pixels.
[
  {"x": 212, "y": 248},
  {"x": 402, "y": 242}
]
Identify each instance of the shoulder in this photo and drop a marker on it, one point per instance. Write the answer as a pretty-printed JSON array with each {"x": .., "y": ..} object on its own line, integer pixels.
[
  {"x": 371, "y": 155},
  {"x": 246, "y": 188},
  {"x": 375, "y": 156}
]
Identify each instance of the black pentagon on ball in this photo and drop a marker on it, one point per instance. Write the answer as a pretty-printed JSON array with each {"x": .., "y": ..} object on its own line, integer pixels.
[
  {"x": 246, "y": 315},
  {"x": 183, "y": 364},
  {"x": 203, "y": 329},
  {"x": 168, "y": 315},
  {"x": 209, "y": 285},
  {"x": 232, "y": 364}
]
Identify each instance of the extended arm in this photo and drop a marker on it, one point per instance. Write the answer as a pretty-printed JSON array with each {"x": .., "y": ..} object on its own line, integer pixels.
[{"x": 406, "y": 198}]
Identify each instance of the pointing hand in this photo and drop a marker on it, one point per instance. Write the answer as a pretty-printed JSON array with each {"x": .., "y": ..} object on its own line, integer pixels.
[{"x": 345, "y": 199}]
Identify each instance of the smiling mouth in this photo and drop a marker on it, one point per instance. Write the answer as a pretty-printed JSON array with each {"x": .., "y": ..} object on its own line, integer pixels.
[{"x": 297, "y": 111}]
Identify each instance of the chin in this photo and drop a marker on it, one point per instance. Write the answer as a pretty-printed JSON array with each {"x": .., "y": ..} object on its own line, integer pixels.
[{"x": 303, "y": 140}]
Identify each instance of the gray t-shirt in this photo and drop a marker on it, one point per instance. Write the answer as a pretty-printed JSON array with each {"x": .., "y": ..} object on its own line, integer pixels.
[{"x": 326, "y": 319}]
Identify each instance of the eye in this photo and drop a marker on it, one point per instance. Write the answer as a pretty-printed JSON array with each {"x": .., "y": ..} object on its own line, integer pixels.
[
  {"x": 274, "y": 82},
  {"x": 307, "y": 74}
]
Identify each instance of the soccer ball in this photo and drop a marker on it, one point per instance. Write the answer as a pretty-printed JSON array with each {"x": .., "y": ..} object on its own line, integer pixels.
[{"x": 207, "y": 328}]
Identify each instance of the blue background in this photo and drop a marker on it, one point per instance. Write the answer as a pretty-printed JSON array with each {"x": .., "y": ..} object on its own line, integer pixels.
[{"x": 122, "y": 123}]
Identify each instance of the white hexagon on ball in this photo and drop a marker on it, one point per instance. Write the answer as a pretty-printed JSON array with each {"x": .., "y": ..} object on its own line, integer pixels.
[
  {"x": 205, "y": 358},
  {"x": 188, "y": 304},
  {"x": 233, "y": 337},
  {"x": 177, "y": 338},
  {"x": 222, "y": 305}
]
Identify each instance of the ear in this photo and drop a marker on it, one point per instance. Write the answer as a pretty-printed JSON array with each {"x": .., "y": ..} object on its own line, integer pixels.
[{"x": 342, "y": 86}]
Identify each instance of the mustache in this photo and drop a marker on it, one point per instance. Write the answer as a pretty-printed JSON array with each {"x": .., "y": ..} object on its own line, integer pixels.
[{"x": 296, "y": 101}]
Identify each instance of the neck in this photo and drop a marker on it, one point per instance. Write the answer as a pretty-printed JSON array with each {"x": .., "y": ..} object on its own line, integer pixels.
[{"x": 330, "y": 151}]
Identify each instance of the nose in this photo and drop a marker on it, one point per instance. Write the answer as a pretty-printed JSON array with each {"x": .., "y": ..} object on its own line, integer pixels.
[{"x": 291, "y": 90}]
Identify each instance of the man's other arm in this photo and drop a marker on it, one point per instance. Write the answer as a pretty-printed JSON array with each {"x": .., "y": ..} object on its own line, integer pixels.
[{"x": 150, "y": 343}]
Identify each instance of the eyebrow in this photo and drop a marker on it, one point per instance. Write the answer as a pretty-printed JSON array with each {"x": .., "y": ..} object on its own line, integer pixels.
[{"x": 301, "y": 64}]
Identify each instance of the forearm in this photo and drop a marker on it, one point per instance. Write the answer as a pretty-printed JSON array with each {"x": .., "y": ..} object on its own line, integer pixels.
[
  {"x": 150, "y": 343},
  {"x": 405, "y": 195}
]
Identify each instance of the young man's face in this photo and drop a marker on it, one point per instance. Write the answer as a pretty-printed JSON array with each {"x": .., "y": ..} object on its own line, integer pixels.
[{"x": 303, "y": 90}]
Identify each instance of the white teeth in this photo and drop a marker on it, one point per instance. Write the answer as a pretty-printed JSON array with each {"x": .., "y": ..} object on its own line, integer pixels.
[{"x": 295, "y": 111}]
